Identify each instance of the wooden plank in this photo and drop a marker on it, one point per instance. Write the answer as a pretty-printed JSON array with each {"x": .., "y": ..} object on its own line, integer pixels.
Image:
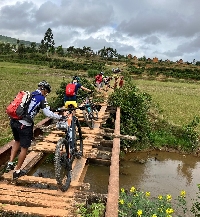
[{"x": 42, "y": 211}]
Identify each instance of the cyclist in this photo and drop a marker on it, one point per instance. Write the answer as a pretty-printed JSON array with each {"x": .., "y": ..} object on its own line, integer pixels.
[
  {"x": 99, "y": 80},
  {"x": 23, "y": 129},
  {"x": 73, "y": 97},
  {"x": 107, "y": 80}
]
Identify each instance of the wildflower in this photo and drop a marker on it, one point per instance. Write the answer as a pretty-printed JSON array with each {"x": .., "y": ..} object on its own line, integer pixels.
[
  {"x": 183, "y": 193},
  {"x": 169, "y": 210},
  {"x": 139, "y": 212},
  {"x": 132, "y": 189},
  {"x": 129, "y": 205},
  {"x": 154, "y": 215},
  {"x": 160, "y": 197},
  {"x": 169, "y": 197},
  {"x": 122, "y": 190},
  {"x": 147, "y": 194},
  {"x": 121, "y": 201}
]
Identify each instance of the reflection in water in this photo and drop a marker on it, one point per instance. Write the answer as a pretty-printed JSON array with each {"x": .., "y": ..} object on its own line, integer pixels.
[{"x": 156, "y": 171}]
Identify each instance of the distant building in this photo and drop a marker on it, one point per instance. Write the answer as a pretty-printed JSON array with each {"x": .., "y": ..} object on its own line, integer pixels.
[
  {"x": 129, "y": 56},
  {"x": 180, "y": 61},
  {"x": 155, "y": 60}
]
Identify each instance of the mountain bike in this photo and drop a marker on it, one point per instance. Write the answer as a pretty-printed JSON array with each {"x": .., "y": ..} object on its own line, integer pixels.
[
  {"x": 68, "y": 148},
  {"x": 90, "y": 113}
]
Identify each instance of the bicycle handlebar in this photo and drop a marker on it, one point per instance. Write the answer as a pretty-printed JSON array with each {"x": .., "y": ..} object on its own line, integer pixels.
[{"x": 69, "y": 109}]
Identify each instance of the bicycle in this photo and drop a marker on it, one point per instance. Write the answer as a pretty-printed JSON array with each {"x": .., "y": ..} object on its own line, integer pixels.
[
  {"x": 69, "y": 147},
  {"x": 90, "y": 112}
]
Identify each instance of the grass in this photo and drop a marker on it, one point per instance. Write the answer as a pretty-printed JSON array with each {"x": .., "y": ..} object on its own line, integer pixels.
[{"x": 178, "y": 102}]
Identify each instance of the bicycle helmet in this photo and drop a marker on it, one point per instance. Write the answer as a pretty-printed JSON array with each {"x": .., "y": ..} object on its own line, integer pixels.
[
  {"x": 76, "y": 78},
  {"x": 45, "y": 85},
  {"x": 41, "y": 83}
]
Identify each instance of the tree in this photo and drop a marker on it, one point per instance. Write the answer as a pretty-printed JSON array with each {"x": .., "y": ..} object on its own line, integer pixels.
[
  {"x": 47, "y": 44},
  {"x": 60, "y": 51}
]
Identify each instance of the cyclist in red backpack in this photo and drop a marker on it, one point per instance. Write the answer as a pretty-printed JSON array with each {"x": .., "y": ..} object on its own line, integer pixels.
[
  {"x": 23, "y": 129},
  {"x": 72, "y": 90},
  {"x": 99, "y": 80}
]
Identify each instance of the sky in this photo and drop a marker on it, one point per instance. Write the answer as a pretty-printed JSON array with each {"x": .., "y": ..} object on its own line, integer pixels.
[{"x": 152, "y": 28}]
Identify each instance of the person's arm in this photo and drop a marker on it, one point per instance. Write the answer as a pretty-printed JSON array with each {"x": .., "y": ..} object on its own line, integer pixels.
[
  {"x": 85, "y": 89},
  {"x": 47, "y": 112}
]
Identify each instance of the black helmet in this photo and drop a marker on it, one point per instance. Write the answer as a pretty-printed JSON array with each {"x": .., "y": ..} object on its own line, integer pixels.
[
  {"x": 41, "y": 83},
  {"x": 45, "y": 85}
]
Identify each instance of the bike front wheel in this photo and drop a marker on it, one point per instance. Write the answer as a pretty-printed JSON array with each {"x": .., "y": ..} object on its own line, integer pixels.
[{"x": 62, "y": 164}]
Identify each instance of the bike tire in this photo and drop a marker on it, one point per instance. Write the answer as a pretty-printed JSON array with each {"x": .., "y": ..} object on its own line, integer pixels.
[
  {"x": 77, "y": 138},
  {"x": 62, "y": 164},
  {"x": 89, "y": 121}
]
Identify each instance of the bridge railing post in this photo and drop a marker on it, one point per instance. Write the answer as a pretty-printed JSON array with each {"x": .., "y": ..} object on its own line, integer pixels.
[{"x": 113, "y": 186}]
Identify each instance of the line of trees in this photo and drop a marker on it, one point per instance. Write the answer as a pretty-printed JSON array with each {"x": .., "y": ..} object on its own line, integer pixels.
[{"x": 47, "y": 46}]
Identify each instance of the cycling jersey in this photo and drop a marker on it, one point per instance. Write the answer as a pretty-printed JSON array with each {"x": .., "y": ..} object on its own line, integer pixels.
[{"x": 38, "y": 102}]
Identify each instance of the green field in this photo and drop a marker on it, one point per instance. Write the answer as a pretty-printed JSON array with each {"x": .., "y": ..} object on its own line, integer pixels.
[{"x": 179, "y": 102}]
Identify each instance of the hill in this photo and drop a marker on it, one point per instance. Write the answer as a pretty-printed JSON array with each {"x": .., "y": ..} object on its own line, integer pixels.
[{"x": 10, "y": 40}]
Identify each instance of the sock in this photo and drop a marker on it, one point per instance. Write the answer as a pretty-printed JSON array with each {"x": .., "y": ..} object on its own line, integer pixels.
[
  {"x": 17, "y": 171},
  {"x": 10, "y": 162}
]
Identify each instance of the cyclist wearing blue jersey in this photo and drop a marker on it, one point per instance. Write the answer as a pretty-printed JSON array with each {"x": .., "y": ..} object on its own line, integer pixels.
[{"x": 23, "y": 129}]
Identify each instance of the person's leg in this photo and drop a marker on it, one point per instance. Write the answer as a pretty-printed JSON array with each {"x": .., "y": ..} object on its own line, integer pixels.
[
  {"x": 14, "y": 150},
  {"x": 21, "y": 158}
]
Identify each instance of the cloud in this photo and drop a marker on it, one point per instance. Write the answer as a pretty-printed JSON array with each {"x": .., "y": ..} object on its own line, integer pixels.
[{"x": 169, "y": 29}]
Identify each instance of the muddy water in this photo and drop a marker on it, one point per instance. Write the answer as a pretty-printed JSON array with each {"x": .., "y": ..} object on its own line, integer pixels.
[{"x": 158, "y": 172}]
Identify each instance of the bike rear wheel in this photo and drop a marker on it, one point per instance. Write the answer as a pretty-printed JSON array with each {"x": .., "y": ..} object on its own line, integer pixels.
[
  {"x": 77, "y": 138},
  {"x": 88, "y": 119},
  {"x": 62, "y": 164}
]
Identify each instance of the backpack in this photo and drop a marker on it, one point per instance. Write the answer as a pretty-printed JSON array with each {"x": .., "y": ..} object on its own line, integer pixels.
[
  {"x": 98, "y": 78},
  {"x": 70, "y": 89},
  {"x": 18, "y": 108}
]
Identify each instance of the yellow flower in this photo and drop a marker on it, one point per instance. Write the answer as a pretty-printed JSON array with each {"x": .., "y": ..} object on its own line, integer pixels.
[
  {"x": 160, "y": 197},
  {"x": 122, "y": 190},
  {"x": 147, "y": 194},
  {"x": 169, "y": 210},
  {"x": 121, "y": 201},
  {"x": 169, "y": 197},
  {"x": 132, "y": 189},
  {"x": 154, "y": 215},
  {"x": 183, "y": 193},
  {"x": 139, "y": 212}
]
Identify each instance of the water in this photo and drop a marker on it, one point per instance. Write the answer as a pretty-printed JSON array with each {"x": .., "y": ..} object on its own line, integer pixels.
[{"x": 159, "y": 172}]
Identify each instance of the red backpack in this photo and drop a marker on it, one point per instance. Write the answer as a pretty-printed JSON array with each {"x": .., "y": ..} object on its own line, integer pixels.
[
  {"x": 18, "y": 108},
  {"x": 70, "y": 89}
]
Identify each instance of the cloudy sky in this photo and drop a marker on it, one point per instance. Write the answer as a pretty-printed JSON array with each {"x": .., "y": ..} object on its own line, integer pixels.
[{"x": 152, "y": 28}]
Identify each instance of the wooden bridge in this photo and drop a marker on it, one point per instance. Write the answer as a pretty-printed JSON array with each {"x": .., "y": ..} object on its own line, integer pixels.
[{"x": 18, "y": 197}]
